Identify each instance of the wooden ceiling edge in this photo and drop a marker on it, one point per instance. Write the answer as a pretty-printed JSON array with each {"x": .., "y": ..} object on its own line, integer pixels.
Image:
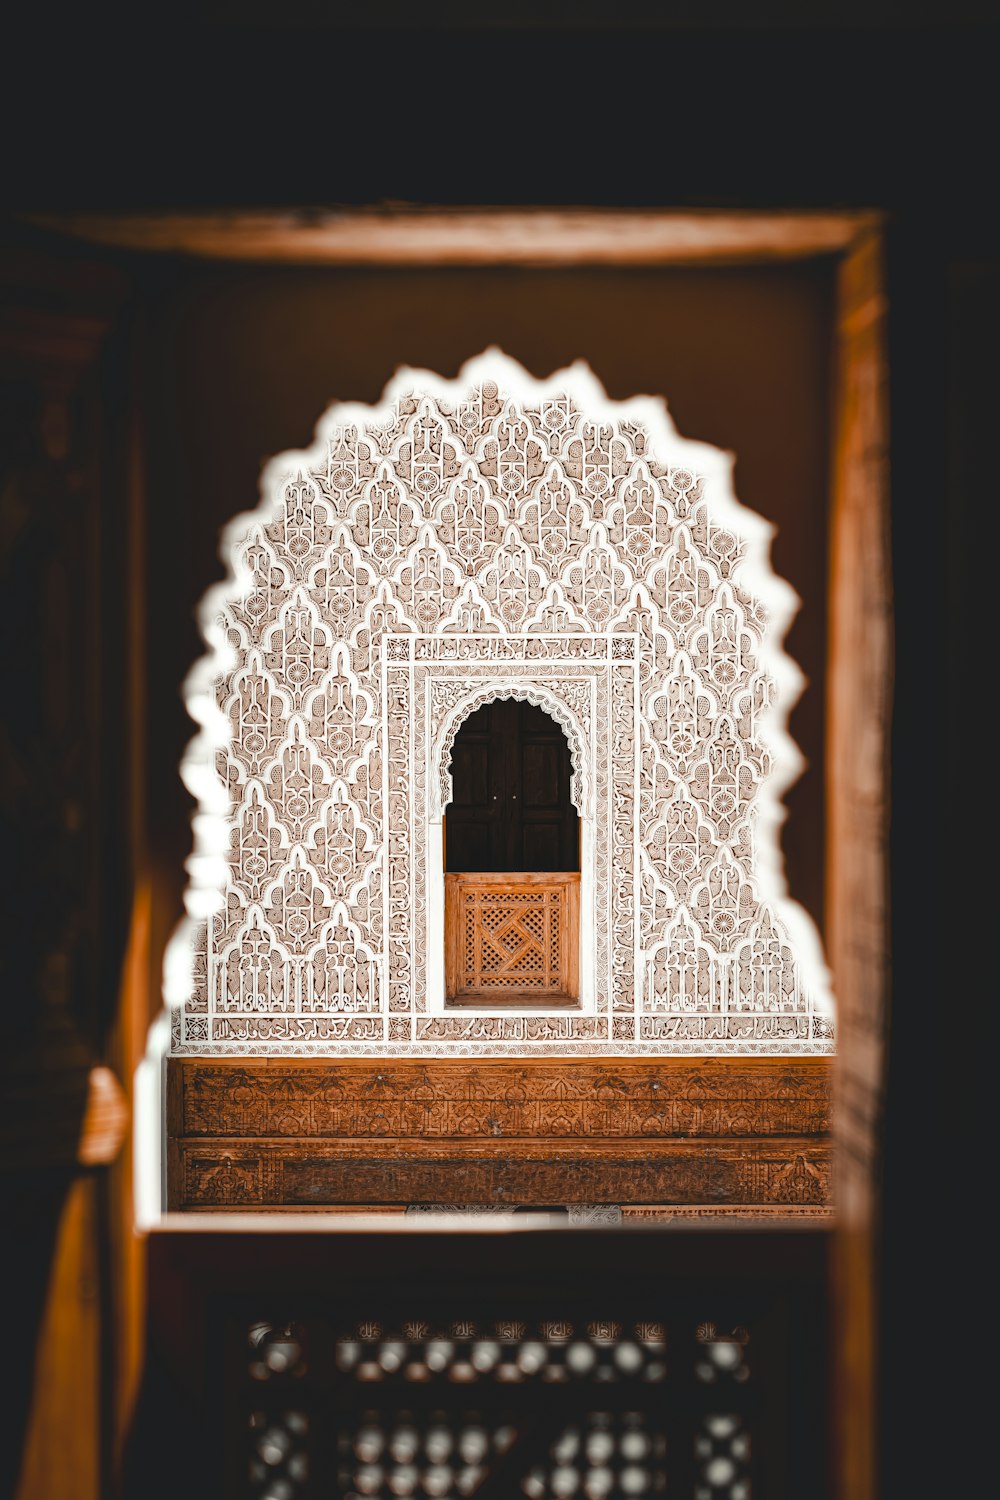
[{"x": 430, "y": 236}]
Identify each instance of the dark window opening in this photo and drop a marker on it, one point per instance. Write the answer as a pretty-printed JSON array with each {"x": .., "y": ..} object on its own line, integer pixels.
[{"x": 511, "y": 809}]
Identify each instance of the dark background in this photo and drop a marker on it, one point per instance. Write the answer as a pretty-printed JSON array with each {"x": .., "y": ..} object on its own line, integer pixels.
[{"x": 873, "y": 107}]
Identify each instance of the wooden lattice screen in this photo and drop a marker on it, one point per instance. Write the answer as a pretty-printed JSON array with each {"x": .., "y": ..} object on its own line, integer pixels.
[{"x": 512, "y": 938}]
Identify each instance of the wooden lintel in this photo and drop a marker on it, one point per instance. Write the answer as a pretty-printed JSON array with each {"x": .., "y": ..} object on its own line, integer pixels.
[{"x": 434, "y": 236}]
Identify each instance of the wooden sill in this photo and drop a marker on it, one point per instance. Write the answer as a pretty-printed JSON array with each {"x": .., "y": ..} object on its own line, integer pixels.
[{"x": 525, "y": 1001}]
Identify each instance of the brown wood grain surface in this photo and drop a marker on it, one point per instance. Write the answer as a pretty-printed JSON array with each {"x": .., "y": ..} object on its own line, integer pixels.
[
  {"x": 499, "y": 952},
  {"x": 431, "y": 235},
  {"x": 292, "y": 1132},
  {"x": 857, "y": 883}
]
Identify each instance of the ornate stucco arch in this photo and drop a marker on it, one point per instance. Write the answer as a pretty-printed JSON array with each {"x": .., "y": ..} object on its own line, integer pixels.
[
  {"x": 543, "y": 696},
  {"x": 497, "y": 535}
]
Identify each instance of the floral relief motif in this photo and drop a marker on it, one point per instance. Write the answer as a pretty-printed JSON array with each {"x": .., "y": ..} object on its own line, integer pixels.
[
  {"x": 341, "y": 714},
  {"x": 427, "y": 462},
  {"x": 723, "y": 652},
  {"x": 258, "y": 843},
  {"x": 682, "y": 586},
  {"x": 252, "y": 972},
  {"x": 258, "y": 713},
  {"x": 349, "y": 464},
  {"x": 342, "y": 584},
  {"x": 557, "y": 417},
  {"x": 297, "y": 650},
  {"x": 679, "y": 845},
  {"x": 301, "y": 532},
  {"x": 512, "y": 584},
  {"x": 297, "y": 782},
  {"x": 556, "y": 520},
  {"x": 596, "y": 459},
  {"x": 511, "y": 457},
  {"x": 681, "y": 971},
  {"x": 343, "y": 970},
  {"x": 296, "y": 904},
  {"x": 639, "y": 519},
  {"x": 341, "y": 845},
  {"x": 495, "y": 536},
  {"x": 470, "y": 521},
  {"x": 599, "y": 582},
  {"x": 384, "y": 522},
  {"x": 428, "y": 583},
  {"x": 724, "y": 782},
  {"x": 268, "y": 589}
]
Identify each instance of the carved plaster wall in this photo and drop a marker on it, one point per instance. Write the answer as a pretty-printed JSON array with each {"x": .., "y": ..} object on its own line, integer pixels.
[{"x": 491, "y": 536}]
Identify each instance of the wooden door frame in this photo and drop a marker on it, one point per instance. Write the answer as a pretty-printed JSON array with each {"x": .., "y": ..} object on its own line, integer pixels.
[
  {"x": 504, "y": 772},
  {"x": 860, "y": 677}
]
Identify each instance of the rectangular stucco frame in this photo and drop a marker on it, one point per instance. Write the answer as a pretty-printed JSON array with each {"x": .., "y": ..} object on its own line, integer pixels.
[{"x": 438, "y": 679}]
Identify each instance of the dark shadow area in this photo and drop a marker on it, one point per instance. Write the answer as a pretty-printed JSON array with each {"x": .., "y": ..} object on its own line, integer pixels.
[{"x": 60, "y": 771}]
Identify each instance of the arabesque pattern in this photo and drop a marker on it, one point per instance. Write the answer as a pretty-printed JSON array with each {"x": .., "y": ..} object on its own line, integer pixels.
[
  {"x": 486, "y": 537},
  {"x": 510, "y": 939}
]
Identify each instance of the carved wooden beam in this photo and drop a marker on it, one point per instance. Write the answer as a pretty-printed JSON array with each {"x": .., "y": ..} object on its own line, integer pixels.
[{"x": 276, "y": 1133}]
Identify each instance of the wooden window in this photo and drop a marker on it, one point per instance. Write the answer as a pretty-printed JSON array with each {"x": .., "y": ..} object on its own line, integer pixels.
[
  {"x": 512, "y": 939},
  {"x": 512, "y": 891}
]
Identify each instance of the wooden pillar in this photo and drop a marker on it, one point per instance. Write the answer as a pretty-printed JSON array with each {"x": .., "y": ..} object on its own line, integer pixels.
[{"x": 857, "y": 762}]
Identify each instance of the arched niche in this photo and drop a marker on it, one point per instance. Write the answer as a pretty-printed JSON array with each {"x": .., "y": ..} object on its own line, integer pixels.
[
  {"x": 581, "y": 753},
  {"x": 493, "y": 534},
  {"x": 541, "y": 696}
]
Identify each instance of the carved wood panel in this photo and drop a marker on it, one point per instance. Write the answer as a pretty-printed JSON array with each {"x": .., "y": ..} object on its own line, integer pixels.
[
  {"x": 512, "y": 939},
  {"x": 275, "y": 1133},
  {"x": 266, "y": 1175}
]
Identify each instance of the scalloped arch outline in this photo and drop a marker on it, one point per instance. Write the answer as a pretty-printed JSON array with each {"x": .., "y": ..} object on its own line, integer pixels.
[{"x": 542, "y": 697}]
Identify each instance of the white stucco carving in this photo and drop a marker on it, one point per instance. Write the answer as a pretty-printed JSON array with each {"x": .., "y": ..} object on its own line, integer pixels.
[{"x": 494, "y": 536}]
